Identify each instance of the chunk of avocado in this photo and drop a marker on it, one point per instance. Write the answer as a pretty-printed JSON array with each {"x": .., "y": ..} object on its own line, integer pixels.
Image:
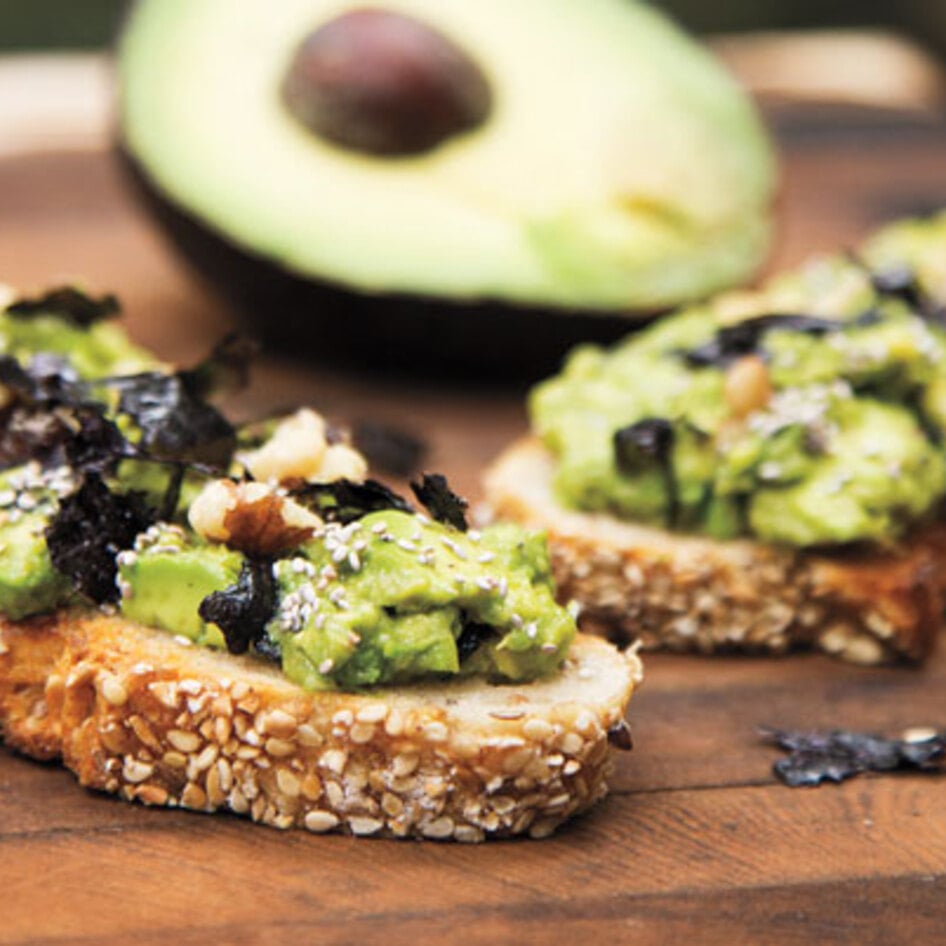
[
  {"x": 28, "y": 582},
  {"x": 419, "y": 161},
  {"x": 165, "y": 578}
]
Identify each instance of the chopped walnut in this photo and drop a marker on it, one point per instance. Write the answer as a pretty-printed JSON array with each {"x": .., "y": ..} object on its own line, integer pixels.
[
  {"x": 251, "y": 517},
  {"x": 341, "y": 462},
  {"x": 747, "y": 386},
  {"x": 299, "y": 450}
]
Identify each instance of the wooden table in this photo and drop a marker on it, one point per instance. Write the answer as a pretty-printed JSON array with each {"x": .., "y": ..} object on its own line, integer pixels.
[{"x": 697, "y": 841}]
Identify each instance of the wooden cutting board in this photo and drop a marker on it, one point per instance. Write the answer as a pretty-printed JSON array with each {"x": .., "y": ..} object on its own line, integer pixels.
[{"x": 697, "y": 841}]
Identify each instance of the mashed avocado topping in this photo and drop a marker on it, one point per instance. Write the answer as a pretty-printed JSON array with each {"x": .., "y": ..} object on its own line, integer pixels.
[
  {"x": 122, "y": 487},
  {"x": 811, "y": 412},
  {"x": 394, "y": 596}
]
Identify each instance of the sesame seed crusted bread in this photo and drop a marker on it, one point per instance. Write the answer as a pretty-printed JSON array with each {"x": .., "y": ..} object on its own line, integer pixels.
[
  {"x": 690, "y": 593},
  {"x": 156, "y": 719}
]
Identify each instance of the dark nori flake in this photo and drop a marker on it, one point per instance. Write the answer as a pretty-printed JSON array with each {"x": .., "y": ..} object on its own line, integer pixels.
[
  {"x": 648, "y": 444},
  {"x": 644, "y": 444},
  {"x": 225, "y": 370},
  {"x": 816, "y": 757},
  {"x": 172, "y": 494},
  {"x": 69, "y": 303},
  {"x": 471, "y": 637},
  {"x": 94, "y": 442},
  {"x": 53, "y": 419},
  {"x": 440, "y": 501},
  {"x": 29, "y": 434},
  {"x": 175, "y": 424},
  {"x": 46, "y": 382},
  {"x": 345, "y": 500},
  {"x": 899, "y": 282},
  {"x": 619, "y": 736},
  {"x": 243, "y": 610},
  {"x": 266, "y": 647},
  {"x": 91, "y": 527},
  {"x": 744, "y": 338},
  {"x": 389, "y": 449}
]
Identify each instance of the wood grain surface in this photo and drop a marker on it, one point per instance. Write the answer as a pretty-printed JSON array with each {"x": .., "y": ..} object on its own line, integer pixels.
[{"x": 697, "y": 842}]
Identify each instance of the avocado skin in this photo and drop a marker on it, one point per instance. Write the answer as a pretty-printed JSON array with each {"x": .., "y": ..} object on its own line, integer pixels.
[{"x": 323, "y": 322}]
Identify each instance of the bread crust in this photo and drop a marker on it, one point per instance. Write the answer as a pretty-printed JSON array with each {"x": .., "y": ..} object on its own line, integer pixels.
[
  {"x": 155, "y": 719},
  {"x": 690, "y": 593}
]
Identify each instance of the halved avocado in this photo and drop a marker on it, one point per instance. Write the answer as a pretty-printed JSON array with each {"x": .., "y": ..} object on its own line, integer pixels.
[{"x": 446, "y": 176}]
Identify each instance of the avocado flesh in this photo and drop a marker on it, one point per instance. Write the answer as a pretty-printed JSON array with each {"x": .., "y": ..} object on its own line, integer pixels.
[
  {"x": 97, "y": 351},
  {"x": 28, "y": 582},
  {"x": 642, "y": 180},
  {"x": 418, "y": 600},
  {"x": 848, "y": 447},
  {"x": 165, "y": 579}
]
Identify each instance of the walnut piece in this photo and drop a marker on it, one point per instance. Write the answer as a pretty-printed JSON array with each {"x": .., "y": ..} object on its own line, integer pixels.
[
  {"x": 298, "y": 450},
  {"x": 251, "y": 517}
]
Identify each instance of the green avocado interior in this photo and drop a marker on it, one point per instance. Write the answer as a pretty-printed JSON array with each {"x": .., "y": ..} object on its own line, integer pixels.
[
  {"x": 392, "y": 596},
  {"x": 845, "y": 442},
  {"x": 619, "y": 166}
]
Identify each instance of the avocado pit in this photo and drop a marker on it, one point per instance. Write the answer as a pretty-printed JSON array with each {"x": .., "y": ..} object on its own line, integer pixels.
[{"x": 384, "y": 84}]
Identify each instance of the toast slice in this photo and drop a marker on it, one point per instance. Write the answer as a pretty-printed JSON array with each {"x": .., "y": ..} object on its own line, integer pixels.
[
  {"x": 153, "y": 718},
  {"x": 691, "y": 593}
]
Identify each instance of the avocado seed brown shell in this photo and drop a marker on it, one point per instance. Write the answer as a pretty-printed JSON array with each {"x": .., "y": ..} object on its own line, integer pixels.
[{"x": 384, "y": 84}]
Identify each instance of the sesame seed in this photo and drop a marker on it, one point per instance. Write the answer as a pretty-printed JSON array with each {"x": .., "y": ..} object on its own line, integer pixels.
[
  {"x": 372, "y": 714},
  {"x": 26, "y": 501},
  {"x": 439, "y": 829},
  {"x": 436, "y": 732},
  {"x": 183, "y": 741},
  {"x": 135, "y": 771},
  {"x": 450, "y": 544},
  {"x": 326, "y": 665},
  {"x": 114, "y": 692},
  {"x": 364, "y": 826},
  {"x": 486, "y": 557},
  {"x": 334, "y": 760},
  {"x": 320, "y": 821}
]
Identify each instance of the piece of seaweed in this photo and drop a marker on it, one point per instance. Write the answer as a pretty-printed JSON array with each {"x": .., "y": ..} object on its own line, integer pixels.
[
  {"x": 838, "y": 754},
  {"x": 243, "y": 610},
  {"x": 435, "y": 495},
  {"x": 69, "y": 303},
  {"x": 91, "y": 526}
]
